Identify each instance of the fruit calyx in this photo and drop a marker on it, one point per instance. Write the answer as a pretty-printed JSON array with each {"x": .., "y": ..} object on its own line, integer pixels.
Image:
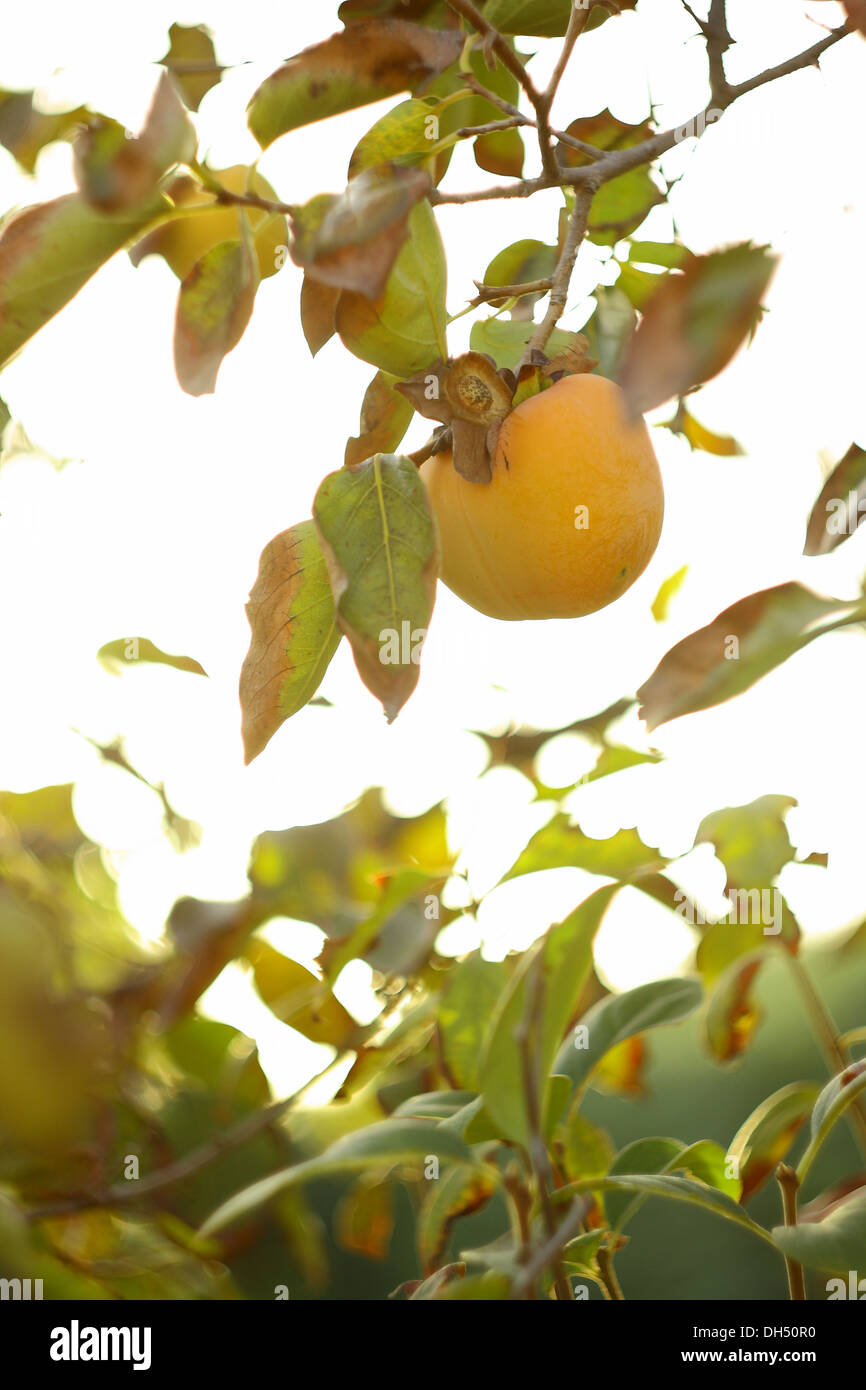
[{"x": 472, "y": 396}]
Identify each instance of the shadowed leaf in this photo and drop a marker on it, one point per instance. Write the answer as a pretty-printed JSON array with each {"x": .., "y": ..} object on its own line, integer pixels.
[
  {"x": 836, "y": 1243},
  {"x": 738, "y": 647},
  {"x": 468, "y": 1002},
  {"x": 764, "y": 1139},
  {"x": 213, "y": 309},
  {"x": 841, "y": 505},
  {"x": 371, "y": 60},
  {"x": 694, "y": 323},
  {"x": 294, "y": 634},
  {"x": 385, "y": 418},
  {"x": 609, "y": 330},
  {"x": 379, "y": 541},
  {"x": 364, "y": 1219},
  {"x": 456, "y": 1194}
]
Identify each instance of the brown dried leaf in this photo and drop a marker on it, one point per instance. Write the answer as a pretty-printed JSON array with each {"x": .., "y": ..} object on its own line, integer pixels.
[
  {"x": 318, "y": 312},
  {"x": 856, "y": 12},
  {"x": 694, "y": 323},
  {"x": 385, "y": 418},
  {"x": 213, "y": 309},
  {"x": 841, "y": 505},
  {"x": 351, "y": 241},
  {"x": 114, "y": 172}
]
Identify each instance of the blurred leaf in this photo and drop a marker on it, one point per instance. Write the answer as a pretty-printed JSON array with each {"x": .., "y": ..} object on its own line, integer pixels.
[
  {"x": 351, "y": 241},
  {"x": 403, "y": 330},
  {"x": 610, "y": 328},
  {"x": 694, "y": 324},
  {"x": 681, "y": 1190},
  {"x": 115, "y": 172},
  {"x": 129, "y": 651},
  {"x": 649, "y": 1155},
  {"x": 752, "y": 841},
  {"x": 400, "y": 888},
  {"x": 545, "y": 18},
  {"x": 365, "y": 1219},
  {"x": 48, "y": 252},
  {"x": 468, "y": 1002},
  {"x": 458, "y": 1193},
  {"x": 294, "y": 634},
  {"x": 559, "y": 844},
  {"x": 637, "y": 285},
  {"x": 25, "y": 130},
  {"x": 841, "y": 505},
  {"x": 403, "y": 136},
  {"x": 742, "y": 644},
  {"x": 764, "y": 1139},
  {"x": 856, "y": 12},
  {"x": 622, "y": 1016},
  {"x": 213, "y": 309},
  {"x": 435, "y": 1105},
  {"x": 698, "y": 436},
  {"x": 844, "y": 1090},
  {"x": 382, "y": 569},
  {"x": 670, "y": 254},
  {"x": 732, "y": 1014},
  {"x": 191, "y": 59},
  {"x": 668, "y": 590},
  {"x": 371, "y": 60},
  {"x": 318, "y": 312},
  {"x": 298, "y": 997},
  {"x": 587, "y": 1150},
  {"x": 564, "y": 958},
  {"x": 837, "y": 1243},
  {"x": 621, "y": 1070},
  {"x": 618, "y": 209},
  {"x": 385, "y": 418},
  {"x": 389, "y": 1142}
]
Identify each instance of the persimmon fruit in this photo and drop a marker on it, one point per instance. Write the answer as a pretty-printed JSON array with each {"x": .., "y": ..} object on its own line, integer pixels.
[
  {"x": 186, "y": 240},
  {"x": 571, "y": 517}
]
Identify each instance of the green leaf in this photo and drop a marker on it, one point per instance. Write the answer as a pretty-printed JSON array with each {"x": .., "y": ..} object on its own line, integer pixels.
[
  {"x": 505, "y": 340},
  {"x": 299, "y": 998},
  {"x": 403, "y": 330},
  {"x": 25, "y": 130},
  {"x": 564, "y": 958},
  {"x": 435, "y": 1105},
  {"x": 670, "y": 254},
  {"x": 459, "y": 1192},
  {"x": 520, "y": 262},
  {"x": 390, "y": 1142},
  {"x": 668, "y": 590},
  {"x": 609, "y": 329},
  {"x": 560, "y": 844},
  {"x": 402, "y": 136},
  {"x": 622, "y": 1016},
  {"x": 676, "y": 1189},
  {"x": 831, "y": 1104},
  {"x": 130, "y": 651},
  {"x": 837, "y": 1243},
  {"x": 694, "y": 323},
  {"x": 364, "y": 63},
  {"x": 703, "y": 1160},
  {"x": 752, "y": 841},
  {"x": 385, "y": 418},
  {"x": 191, "y": 59},
  {"x": 379, "y": 541},
  {"x": 841, "y": 505},
  {"x": 764, "y": 1139},
  {"x": 544, "y": 18},
  {"x": 401, "y": 887},
  {"x": 213, "y": 309},
  {"x": 740, "y": 646},
  {"x": 469, "y": 1000},
  {"x": 620, "y": 206},
  {"x": 294, "y": 634},
  {"x": 587, "y": 1150},
  {"x": 48, "y": 252}
]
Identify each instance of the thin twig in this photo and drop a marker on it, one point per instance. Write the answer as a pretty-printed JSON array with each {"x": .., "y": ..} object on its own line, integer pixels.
[
  {"x": 788, "y": 1185},
  {"x": 499, "y": 45},
  {"x": 827, "y": 1036},
  {"x": 562, "y": 275},
  {"x": 718, "y": 43},
  {"x": 604, "y": 1255},
  {"x": 566, "y": 1231},
  {"x": 527, "y": 1031},
  {"x": 486, "y": 293}
]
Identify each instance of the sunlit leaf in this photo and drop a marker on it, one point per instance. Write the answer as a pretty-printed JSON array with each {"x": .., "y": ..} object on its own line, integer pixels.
[
  {"x": 371, "y": 60},
  {"x": 698, "y": 436},
  {"x": 116, "y": 172},
  {"x": 559, "y": 844},
  {"x": 668, "y": 590},
  {"x": 294, "y": 634},
  {"x": 124, "y": 652},
  {"x": 25, "y": 130},
  {"x": 740, "y": 646},
  {"x": 298, "y": 997},
  {"x": 379, "y": 542},
  {"x": 191, "y": 59},
  {"x": 468, "y": 1002},
  {"x": 213, "y": 309}
]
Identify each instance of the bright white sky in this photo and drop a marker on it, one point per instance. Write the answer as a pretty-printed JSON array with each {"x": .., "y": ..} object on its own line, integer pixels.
[{"x": 156, "y": 526}]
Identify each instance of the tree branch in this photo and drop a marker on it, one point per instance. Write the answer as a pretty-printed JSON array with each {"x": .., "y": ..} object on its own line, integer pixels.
[
  {"x": 562, "y": 275},
  {"x": 788, "y": 1185}
]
